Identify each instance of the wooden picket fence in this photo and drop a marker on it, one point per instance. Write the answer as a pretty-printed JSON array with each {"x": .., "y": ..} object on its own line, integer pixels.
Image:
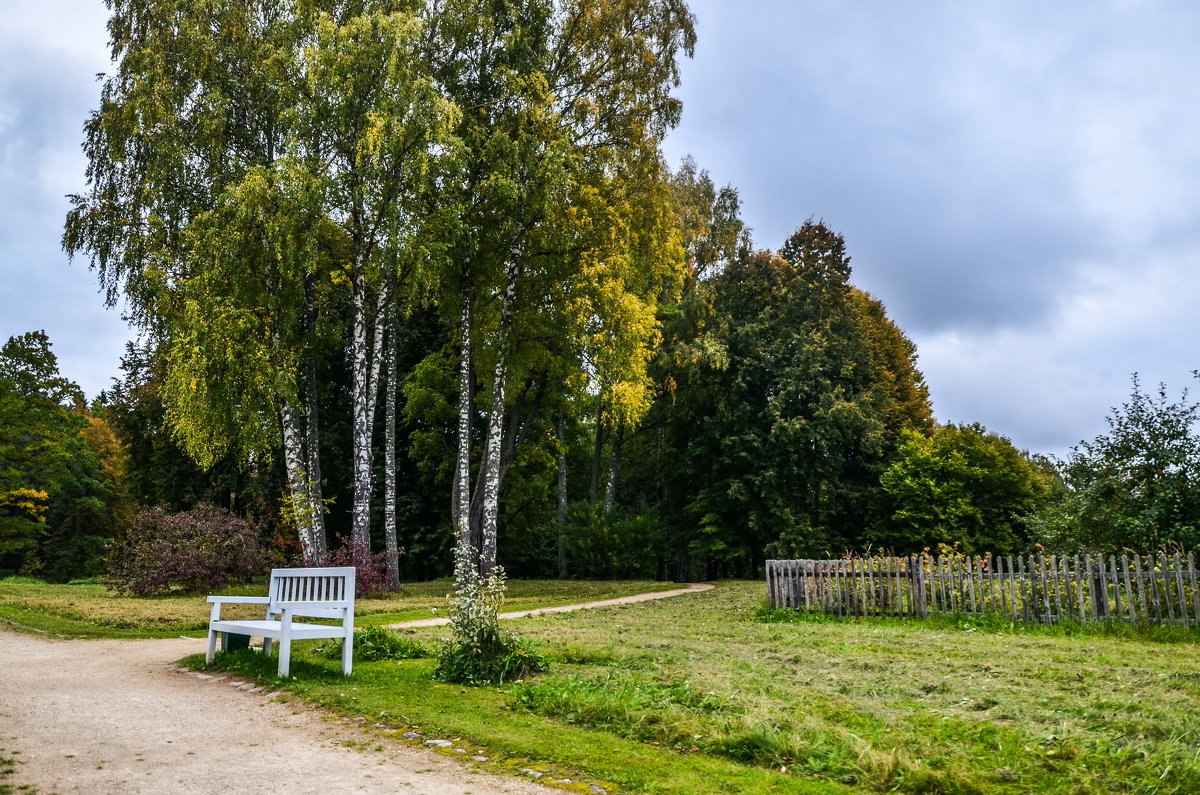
[{"x": 1156, "y": 589}]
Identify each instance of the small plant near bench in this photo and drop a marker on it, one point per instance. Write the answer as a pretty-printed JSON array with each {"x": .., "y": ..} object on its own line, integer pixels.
[
  {"x": 377, "y": 643},
  {"x": 481, "y": 652}
]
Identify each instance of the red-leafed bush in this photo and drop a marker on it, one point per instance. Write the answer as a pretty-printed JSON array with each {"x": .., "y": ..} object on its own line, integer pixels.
[
  {"x": 205, "y": 548},
  {"x": 371, "y": 574}
]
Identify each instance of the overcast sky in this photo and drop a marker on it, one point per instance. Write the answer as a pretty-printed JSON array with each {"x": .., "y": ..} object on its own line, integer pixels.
[{"x": 1016, "y": 181}]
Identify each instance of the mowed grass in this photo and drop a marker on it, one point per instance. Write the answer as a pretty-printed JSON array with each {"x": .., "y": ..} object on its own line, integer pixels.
[
  {"x": 90, "y": 610},
  {"x": 698, "y": 694}
]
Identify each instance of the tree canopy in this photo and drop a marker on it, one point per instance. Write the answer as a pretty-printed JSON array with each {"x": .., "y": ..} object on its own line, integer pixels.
[
  {"x": 415, "y": 275},
  {"x": 1136, "y": 487}
]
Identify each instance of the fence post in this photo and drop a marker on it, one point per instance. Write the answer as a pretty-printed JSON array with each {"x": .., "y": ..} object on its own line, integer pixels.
[
  {"x": 1183, "y": 607},
  {"x": 771, "y": 601},
  {"x": 1099, "y": 593}
]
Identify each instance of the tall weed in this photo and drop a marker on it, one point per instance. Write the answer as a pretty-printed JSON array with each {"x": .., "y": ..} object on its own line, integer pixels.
[{"x": 479, "y": 651}]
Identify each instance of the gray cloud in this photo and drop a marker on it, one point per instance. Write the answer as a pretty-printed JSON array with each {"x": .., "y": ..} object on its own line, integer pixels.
[
  {"x": 1018, "y": 182},
  {"x": 49, "y": 56}
]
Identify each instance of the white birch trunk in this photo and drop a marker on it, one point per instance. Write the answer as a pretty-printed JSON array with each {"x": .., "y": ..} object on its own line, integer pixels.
[
  {"x": 377, "y": 350},
  {"x": 367, "y": 361},
  {"x": 360, "y": 532},
  {"x": 490, "y": 470},
  {"x": 298, "y": 493},
  {"x": 312, "y": 449},
  {"x": 390, "y": 476},
  {"x": 461, "y": 507}
]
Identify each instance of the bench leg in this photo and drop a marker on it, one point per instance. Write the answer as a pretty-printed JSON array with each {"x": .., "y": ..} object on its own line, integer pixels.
[
  {"x": 267, "y": 647},
  {"x": 212, "y": 647},
  {"x": 285, "y": 653},
  {"x": 347, "y": 654}
]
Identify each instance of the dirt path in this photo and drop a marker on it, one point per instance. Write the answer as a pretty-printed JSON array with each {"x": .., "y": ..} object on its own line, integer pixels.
[
  {"x": 621, "y": 600},
  {"x": 116, "y": 716}
]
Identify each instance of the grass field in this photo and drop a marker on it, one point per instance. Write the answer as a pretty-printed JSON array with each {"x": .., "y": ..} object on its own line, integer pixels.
[{"x": 702, "y": 694}]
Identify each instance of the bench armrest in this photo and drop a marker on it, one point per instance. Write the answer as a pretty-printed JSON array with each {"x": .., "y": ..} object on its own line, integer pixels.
[{"x": 217, "y": 601}]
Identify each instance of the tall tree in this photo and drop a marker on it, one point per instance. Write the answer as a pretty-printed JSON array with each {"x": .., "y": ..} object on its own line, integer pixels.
[
  {"x": 555, "y": 95},
  {"x": 37, "y": 437},
  {"x": 790, "y": 407},
  {"x": 182, "y": 168},
  {"x": 62, "y": 493},
  {"x": 271, "y": 156},
  {"x": 375, "y": 134},
  {"x": 712, "y": 234}
]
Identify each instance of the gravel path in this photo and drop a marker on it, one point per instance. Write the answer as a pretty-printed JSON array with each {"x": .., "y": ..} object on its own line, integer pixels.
[{"x": 116, "y": 716}]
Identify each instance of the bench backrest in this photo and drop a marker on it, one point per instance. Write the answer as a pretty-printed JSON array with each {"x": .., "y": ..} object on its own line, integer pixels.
[{"x": 318, "y": 593}]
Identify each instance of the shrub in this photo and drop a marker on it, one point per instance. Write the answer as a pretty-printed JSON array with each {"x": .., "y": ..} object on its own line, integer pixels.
[
  {"x": 371, "y": 574},
  {"x": 205, "y": 548},
  {"x": 480, "y": 652},
  {"x": 377, "y": 643}
]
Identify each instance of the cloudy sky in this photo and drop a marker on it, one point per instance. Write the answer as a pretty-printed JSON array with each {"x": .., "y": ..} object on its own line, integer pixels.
[{"x": 1017, "y": 181}]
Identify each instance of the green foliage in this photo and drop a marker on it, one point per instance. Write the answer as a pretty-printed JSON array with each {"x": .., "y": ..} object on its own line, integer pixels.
[
  {"x": 480, "y": 652},
  {"x": 22, "y": 515},
  {"x": 158, "y": 471},
  {"x": 1135, "y": 487},
  {"x": 193, "y": 551},
  {"x": 62, "y": 471},
  {"x": 788, "y": 400},
  {"x": 960, "y": 484},
  {"x": 607, "y": 545},
  {"x": 378, "y": 643}
]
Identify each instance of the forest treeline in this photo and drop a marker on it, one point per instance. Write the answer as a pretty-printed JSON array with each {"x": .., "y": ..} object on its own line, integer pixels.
[{"x": 412, "y": 275}]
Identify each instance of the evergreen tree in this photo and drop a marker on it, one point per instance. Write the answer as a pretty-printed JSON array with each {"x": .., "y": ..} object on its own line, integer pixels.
[{"x": 786, "y": 423}]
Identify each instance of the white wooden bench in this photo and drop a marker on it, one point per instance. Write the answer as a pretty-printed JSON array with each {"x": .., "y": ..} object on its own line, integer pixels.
[{"x": 310, "y": 593}]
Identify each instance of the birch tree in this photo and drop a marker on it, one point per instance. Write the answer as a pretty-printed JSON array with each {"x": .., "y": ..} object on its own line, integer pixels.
[
  {"x": 186, "y": 140},
  {"x": 248, "y": 163},
  {"x": 374, "y": 133},
  {"x": 555, "y": 96}
]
